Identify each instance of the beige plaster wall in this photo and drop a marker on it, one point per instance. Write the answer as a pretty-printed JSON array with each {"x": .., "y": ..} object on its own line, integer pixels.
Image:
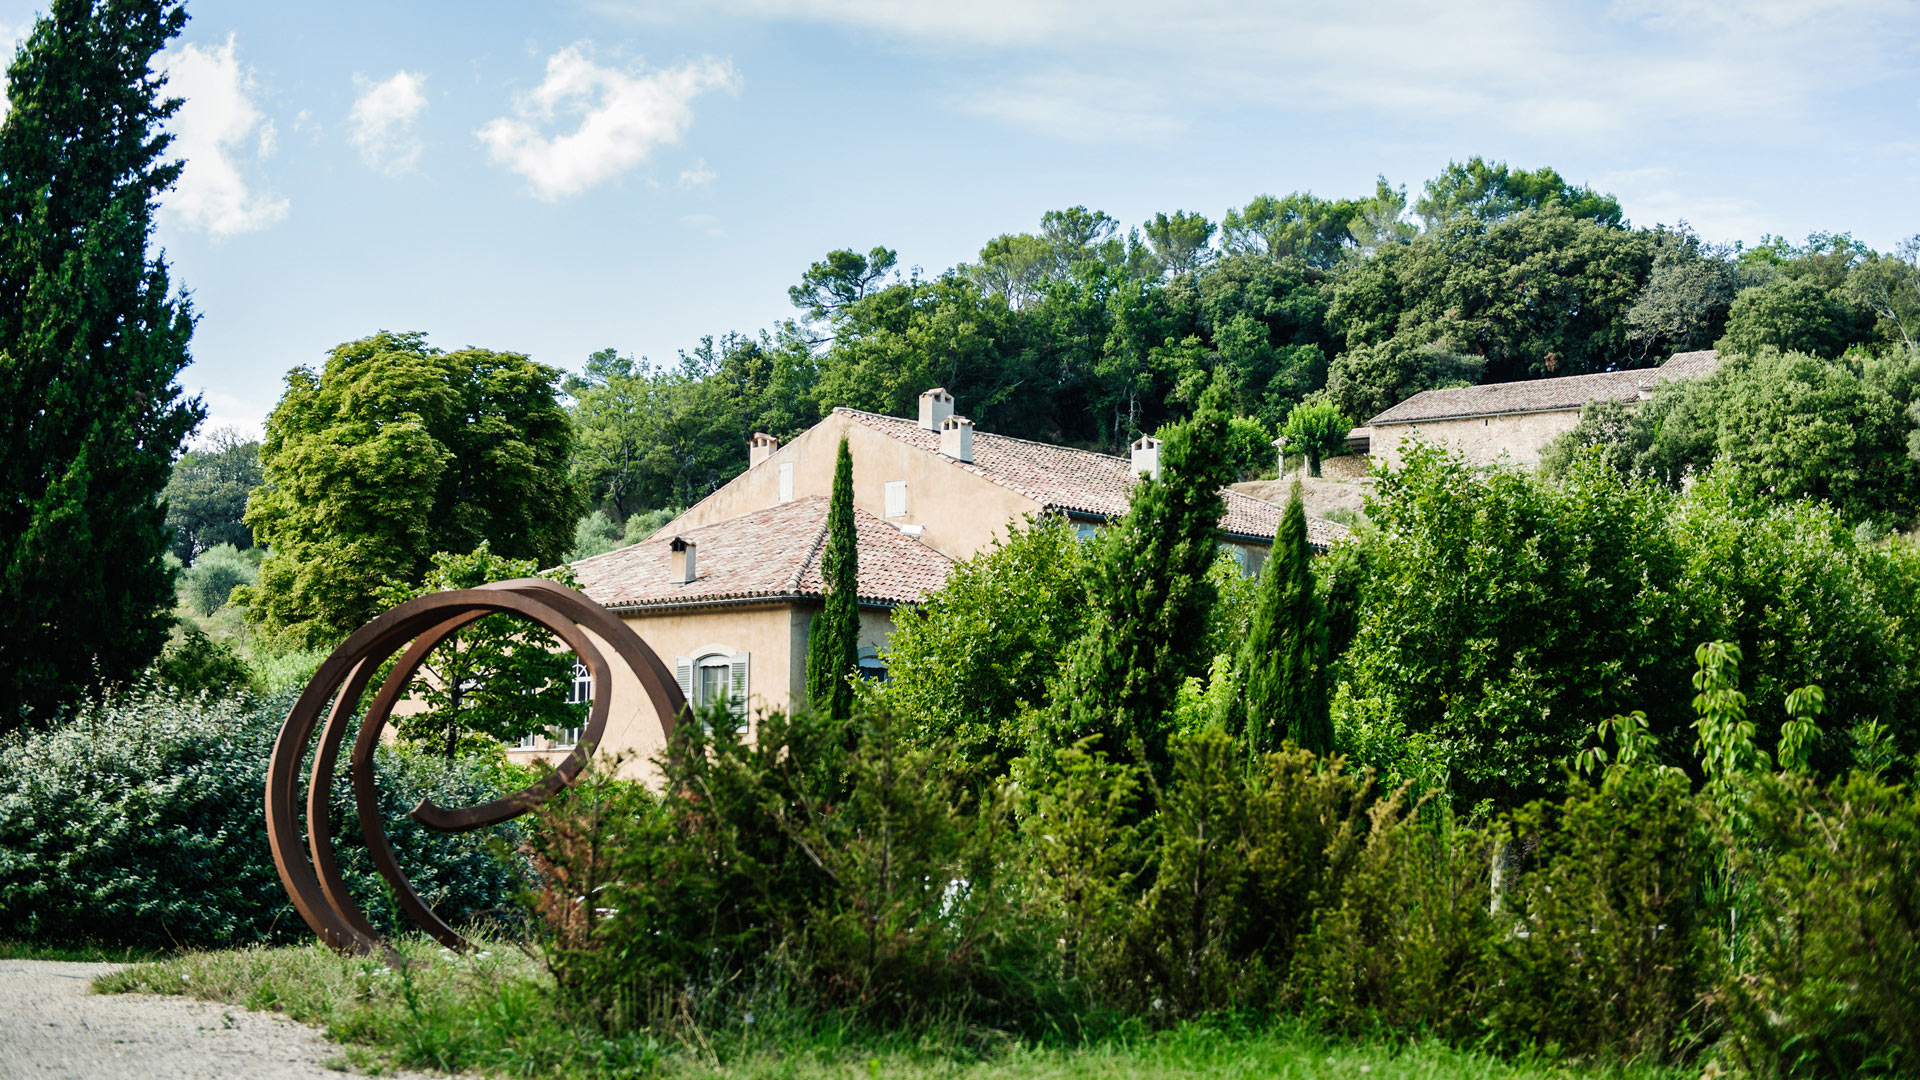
[
  {"x": 1517, "y": 439},
  {"x": 774, "y": 637},
  {"x": 960, "y": 511}
]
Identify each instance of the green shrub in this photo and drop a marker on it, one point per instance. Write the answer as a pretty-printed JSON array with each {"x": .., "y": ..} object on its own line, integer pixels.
[
  {"x": 279, "y": 669},
  {"x": 1608, "y": 949},
  {"x": 828, "y": 861},
  {"x": 596, "y": 534},
  {"x": 1082, "y": 852},
  {"x": 645, "y": 523},
  {"x": 194, "y": 663},
  {"x": 1827, "y": 981},
  {"x": 1499, "y": 615},
  {"x": 1241, "y": 860},
  {"x": 967, "y": 665},
  {"x": 139, "y": 822},
  {"x": 215, "y": 574},
  {"x": 1405, "y": 940}
]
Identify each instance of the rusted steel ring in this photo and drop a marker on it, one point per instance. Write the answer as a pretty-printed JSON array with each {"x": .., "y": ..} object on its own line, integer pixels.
[{"x": 310, "y": 873}]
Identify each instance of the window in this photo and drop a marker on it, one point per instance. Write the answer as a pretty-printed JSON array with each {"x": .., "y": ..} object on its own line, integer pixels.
[
  {"x": 716, "y": 675},
  {"x": 1085, "y": 530},
  {"x": 1254, "y": 559},
  {"x": 1250, "y": 558},
  {"x": 897, "y": 499},
  {"x": 580, "y": 693},
  {"x": 712, "y": 677},
  {"x": 872, "y": 665},
  {"x": 786, "y": 481}
]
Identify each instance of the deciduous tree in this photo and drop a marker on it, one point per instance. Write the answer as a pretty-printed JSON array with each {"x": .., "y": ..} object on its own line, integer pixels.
[
  {"x": 498, "y": 678},
  {"x": 1487, "y": 191},
  {"x": 395, "y": 451},
  {"x": 1316, "y": 429},
  {"x": 207, "y": 494}
]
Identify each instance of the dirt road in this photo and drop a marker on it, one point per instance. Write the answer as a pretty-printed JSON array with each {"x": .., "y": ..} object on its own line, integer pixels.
[{"x": 53, "y": 1025}]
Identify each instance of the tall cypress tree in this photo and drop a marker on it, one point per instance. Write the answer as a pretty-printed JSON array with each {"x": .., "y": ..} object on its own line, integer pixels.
[
  {"x": 833, "y": 641},
  {"x": 1149, "y": 598},
  {"x": 92, "y": 338},
  {"x": 1283, "y": 659}
]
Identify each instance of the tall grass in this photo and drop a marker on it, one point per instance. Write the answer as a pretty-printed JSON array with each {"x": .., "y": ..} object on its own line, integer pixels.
[{"x": 492, "y": 1011}]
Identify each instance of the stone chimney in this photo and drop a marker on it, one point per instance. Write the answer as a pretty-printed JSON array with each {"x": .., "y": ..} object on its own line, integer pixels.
[
  {"x": 680, "y": 561},
  {"x": 935, "y": 405},
  {"x": 760, "y": 448},
  {"x": 956, "y": 437},
  {"x": 1146, "y": 456}
]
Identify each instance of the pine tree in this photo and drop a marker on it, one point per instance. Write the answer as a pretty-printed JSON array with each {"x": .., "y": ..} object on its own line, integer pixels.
[
  {"x": 92, "y": 337},
  {"x": 1283, "y": 660},
  {"x": 1149, "y": 599},
  {"x": 833, "y": 641}
]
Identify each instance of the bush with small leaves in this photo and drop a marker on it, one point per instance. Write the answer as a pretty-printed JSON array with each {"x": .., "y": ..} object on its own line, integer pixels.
[
  {"x": 139, "y": 822},
  {"x": 214, "y": 575}
]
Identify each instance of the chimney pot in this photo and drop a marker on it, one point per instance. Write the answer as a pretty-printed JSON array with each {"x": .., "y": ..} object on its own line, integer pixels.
[
  {"x": 1146, "y": 456},
  {"x": 680, "y": 560},
  {"x": 760, "y": 448},
  {"x": 935, "y": 406},
  {"x": 956, "y": 438}
]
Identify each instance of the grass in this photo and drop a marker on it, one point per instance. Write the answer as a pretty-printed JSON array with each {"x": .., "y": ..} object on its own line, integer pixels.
[{"x": 492, "y": 1012}]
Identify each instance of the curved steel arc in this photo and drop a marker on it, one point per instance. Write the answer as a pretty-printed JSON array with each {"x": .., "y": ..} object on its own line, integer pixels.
[{"x": 312, "y": 877}]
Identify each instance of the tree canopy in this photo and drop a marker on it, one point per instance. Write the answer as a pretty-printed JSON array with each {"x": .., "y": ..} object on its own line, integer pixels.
[
  {"x": 207, "y": 494},
  {"x": 395, "y": 451},
  {"x": 1089, "y": 331}
]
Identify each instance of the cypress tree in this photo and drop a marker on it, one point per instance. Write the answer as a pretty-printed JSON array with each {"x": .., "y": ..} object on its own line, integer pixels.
[
  {"x": 1283, "y": 659},
  {"x": 92, "y": 337},
  {"x": 1149, "y": 598},
  {"x": 833, "y": 641}
]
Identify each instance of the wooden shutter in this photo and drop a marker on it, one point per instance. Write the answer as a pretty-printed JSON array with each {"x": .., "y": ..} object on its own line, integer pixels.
[
  {"x": 683, "y": 674},
  {"x": 737, "y": 688}
]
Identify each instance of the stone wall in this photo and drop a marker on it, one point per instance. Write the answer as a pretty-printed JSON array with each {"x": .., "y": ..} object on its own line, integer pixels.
[{"x": 1515, "y": 439}]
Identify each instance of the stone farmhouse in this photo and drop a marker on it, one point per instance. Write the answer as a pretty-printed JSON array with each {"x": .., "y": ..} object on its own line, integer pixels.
[
  {"x": 725, "y": 593},
  {"x": 1514, "y": 421}
]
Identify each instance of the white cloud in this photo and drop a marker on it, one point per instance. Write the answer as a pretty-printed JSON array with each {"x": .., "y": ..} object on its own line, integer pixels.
[
  {"x": 698, "y": 175},
  {"x": 381, "y": 123},
  {"x": 622, "y": 116},
  {"x": 705, "y": 223},
  {"x": 214, "y": 132},
  {"x": 1073, "y": 105},
  {"x": 1531, "y": 67}
]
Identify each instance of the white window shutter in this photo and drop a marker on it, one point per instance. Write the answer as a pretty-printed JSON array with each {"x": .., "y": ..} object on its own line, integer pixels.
[
  {"x": 683, "y": 674},
  {"x": 896, "y": 499},
  {"x": 737, "y": 688},
  {"x": 786, "y": 481}
]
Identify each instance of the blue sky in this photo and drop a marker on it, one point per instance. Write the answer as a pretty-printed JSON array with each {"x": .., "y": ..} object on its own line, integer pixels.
[{"x": 562, "y": 177}]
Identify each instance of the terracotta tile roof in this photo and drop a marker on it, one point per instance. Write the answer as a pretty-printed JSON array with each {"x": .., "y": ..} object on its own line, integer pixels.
[
  {"x": 1079, "y": 481},
  {"x": 770, "y": 553},
  {"x": 1546, "y": 395}
]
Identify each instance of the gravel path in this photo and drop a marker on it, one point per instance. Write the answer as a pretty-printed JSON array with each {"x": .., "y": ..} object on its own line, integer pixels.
[{"x": 53, "y": 1025}]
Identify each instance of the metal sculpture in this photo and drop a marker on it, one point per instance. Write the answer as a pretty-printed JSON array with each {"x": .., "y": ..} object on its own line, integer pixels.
[{"x": 312, "y": 876}]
